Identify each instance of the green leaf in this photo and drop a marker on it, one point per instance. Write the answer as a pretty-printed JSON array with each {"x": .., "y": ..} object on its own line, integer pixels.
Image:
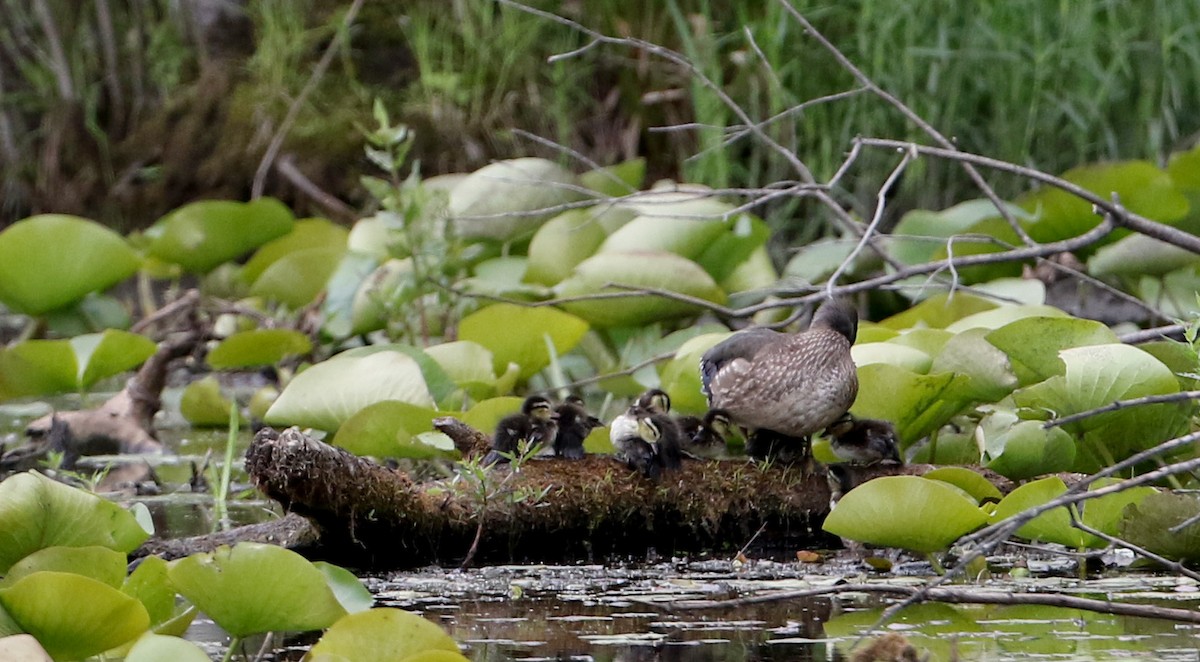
[
  {"x": 389, "y": 429},
  {"x": 1104, "y": 513},
  {"x": 100, "y": 563},
  {"x": 1051, "y": 526},
  {"x": 917, "y": 404},
  {"x": 380, "y": 294},
  {"x": 1099, "y": 375},
  {"x": 258, "y": 347},
  {"x": 815, "y": 262},
  {"x": 101, "y": 355},
  {"x": 510, "y": 199},
  {"x": 1032, "y": 344},
  {"x": 563, "y": 242},
  {"x": 989, "y": 373},
  {"x": 1138, "y": 255},
  {"x": 156, "y": 647},
  {"x": 73, "y": 616},
  {"x": 971, "y": 482},
  {"x": 905, "y": 511},
  {"x": 204, "y": 405},
  {"x": 994, "y": 319},
  {"x": 468, "y": 364},
  {"x": 1148, "y": 524},
  {"x": 680, "y": 378},
  {"x": 440, "y": 385},
  {"x": 37, "y": 367},
  {"x": 920, "y": 232},
  {"x": 252, "y": 588},
  {"x": 486, "y": 415},
  {"x": 36, "y": 513},
  {"x": 306, "y": 234},
  {"x": 341, "y": 295},
  {"x": 53, "y": 260},
  {"x": 891, "y": 353},
  {"x": 296, "y": 279},
  {"x": 349, "y": 591},
  {"x": 656, "y": 270},
  {"x": 755, "y": 273},
  {"x": 202, "y": 235},
  {"x": 516, "y": 334},
  {"x": 616, "y": 180},
  {"x": 1142, "y": 188},
  {"x": 383, "y": 635},
  {"x": 151, "y": 586},
  {"x": 1027, "y": 449},
  {"x": 327, "y": 394},
  {"x": 939, "y": 311}
]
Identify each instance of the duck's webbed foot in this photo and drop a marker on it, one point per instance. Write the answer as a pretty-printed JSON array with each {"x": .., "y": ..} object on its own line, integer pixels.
[{"x": 770, "y": 445}]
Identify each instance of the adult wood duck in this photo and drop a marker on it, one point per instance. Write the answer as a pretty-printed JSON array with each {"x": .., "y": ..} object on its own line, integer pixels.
[
  {"x": 535, "y": 424},
  {"x": 705, "y": 437},
  {"x": 865, "y": 441},
  {"x": 785, "y": 384},
  {"x": 654, "y": 448},
  {"x": 574, "y": 424},
  {"x": 625, "y": 425}
]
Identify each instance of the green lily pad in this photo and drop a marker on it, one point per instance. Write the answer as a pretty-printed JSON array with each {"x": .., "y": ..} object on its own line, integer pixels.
[
  {"x": 905, "y": 511},
  {"x": 616, "y": 180},
  {"x": 329, "y": 393},
  {"x": 920, "y": 232},
  {"x": 916, "y": 404},
  {"x": 1138, "y": 255},
  {"x": 680, "y": 377},
  {"x": 296, "y": 279},
  {"x": 486, "y": 415},
  {"x": 378, "y": 295},
  {"x": 73, "y": 616},
  {"x": 971, "y": 482},
  {"x": 1105, "y": 513},
  {"x": 1032, "y": 344},
  {"x": 151, "y": 586},
  {"x": 389, "y": 429},
  {"x": 657, "y": 270},
  {"x": 815, "y": 262},
  {"x": 517, "y": 334},
  {"x": 204, "y": 405},
  {"x": 756, "y": 272},
  {"x": 346, "y": 587},
  {"x": 306, "y": 234},
  {"x": 563, "y": 242},
  {"x": 1142, "y": 187},
  {"x": 1148, "y": 524},
  {"x": 469, "y": 364},
  {"x": 202, "y": 235},
  {"x": 437, "y": 381},
  {"x": 384, "y": 635},
  {"x": 258, "y": 347},
  {"x": 988, "y": 371},
  {"x": 891, "y": 353},
  {"x": 251, "y": 588},
  {"x": 1051, "y": 526},
  {"x": 939, "y": 311},
  {"x": 1098, "y": 375},
  {"x": 42, "y": 367},
  {"x": 52, "y": 260},
  {"x": 994, "y": 319},
  {"x": 1027, "y": 449},
  {"x": 36, "y": 513},
  {"x": 100, "y": 563},
  {"x": 156, "y": 647},
  {"x": 510, "y": 199}
]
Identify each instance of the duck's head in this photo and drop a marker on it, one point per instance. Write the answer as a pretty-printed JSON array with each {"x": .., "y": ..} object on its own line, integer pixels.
[
  {"x": 719, "y": 422},
  {"x": 650, "y": 429},
  {"x": 655, "y": 401},
  {"x": 538, "y": 407},
  {"x": 838, "y": 315}
]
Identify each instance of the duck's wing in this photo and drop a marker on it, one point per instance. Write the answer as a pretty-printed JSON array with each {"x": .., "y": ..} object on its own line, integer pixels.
[{"x": 741, "y": 345}]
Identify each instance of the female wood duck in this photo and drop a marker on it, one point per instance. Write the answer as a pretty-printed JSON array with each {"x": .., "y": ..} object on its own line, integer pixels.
[
  {"x": 786, "y": 384},
  {"x": 574, "y": 424},
  {"x": 864, "y": 441},
  {"x": 705, "y": 437},
  {"x": 654, "y": 448},
  {"x": 535, "y": 424},
  {"x": 625, "y": 425}
]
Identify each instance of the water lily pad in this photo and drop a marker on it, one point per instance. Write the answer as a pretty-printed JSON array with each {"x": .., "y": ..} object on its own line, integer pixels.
[
  {"x": 204, "y": 405},
  {"x": 756, "y": 272},
  {"x": 656, "y": 270},
  {"x": 1051, "y": 526},
  {"x": 384, "y": 635},
  {"x": 156, "y": 647},
  {"x": 510, "y": 199},
  {"x": 892, "y": 353},
  {"x": 517, "y": 334},
  {"x": 202, "y": 235},
  {"x": 52, "y": 260},
  {"x": 346, "y": 587},
  {"x": 305, "y": 234},
  {"x": 40, "y": 367},
  {"x": 1026, "y": 449},
  {"x": 971, "y": 482},
  {"x": 815, "y": 262},
  {"x": 378, "y": 295},
  {"x": 1148, "y": 524},
  {"x": 388, "y": 429},
  {"x": 994, "y": 319},
  {"x": 939, "y": 311},
  {"x": 469, "y": 364},
  {"x": 105, "y": 565},
  {"x": 1138, "y": 255},
  {"x": 486, "y": 415},
  {"x": 905, "y": 511},
  {"x": 251, "y": 588},
  {"x": 327, "y": 394},
  {"x": 1097, "y": 375},
  {"x": 36, "y": 513},
  {"x": 151, "y": 586},
  {"x": 296, "y": 279},
  {"x": 563, "y": 242},
  {"x": 1032, "y": 344},
  {"x": 73, "y": 616},
  {"x": 917, "y": 404},
  {"x": 616, "y": 180},
  {"x": 988, "y": 371},
  {"x": 258, "y": 347},
  {"x": 920, "y": 232},
  {"x": 680, "y": 377}
]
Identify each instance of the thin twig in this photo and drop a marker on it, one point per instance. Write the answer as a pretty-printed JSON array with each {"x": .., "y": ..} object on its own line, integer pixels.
[
  {"x": 1140, "y": 551},
  {"x": 1121, "y": 404},
  {"x": 286, "y": 166}
]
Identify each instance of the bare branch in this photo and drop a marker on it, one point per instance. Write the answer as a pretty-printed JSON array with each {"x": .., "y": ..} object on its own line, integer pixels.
[{"x": 1121, "y": 404}]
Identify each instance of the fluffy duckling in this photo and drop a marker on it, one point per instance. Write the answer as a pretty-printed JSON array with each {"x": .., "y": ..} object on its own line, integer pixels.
[
  {"x": 574, "y": 424},
  {"x": 535, "y": 424},
  {"x": 654, "y": 448},
  {"x": 788, "y": 385},
  {"x": 625, "y": 425},
  {"x": 865, "y": 441},
  {"x": 705, "y": 437}
]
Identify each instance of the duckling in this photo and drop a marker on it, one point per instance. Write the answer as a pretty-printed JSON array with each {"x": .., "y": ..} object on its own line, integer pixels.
[
  {"x": 535, "y": 424},
  {"x": 864, "y": 441},
  {"x": 654, "y": 448},
  {"x": 653, "y": 401},
  {"x": 574, "y": 424},
  {"x": 705, "y": 437},
  {"x": 788, "y": 385}
]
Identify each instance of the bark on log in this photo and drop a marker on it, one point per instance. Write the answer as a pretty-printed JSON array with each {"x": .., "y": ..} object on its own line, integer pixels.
[{"x": 370, "y": 515}]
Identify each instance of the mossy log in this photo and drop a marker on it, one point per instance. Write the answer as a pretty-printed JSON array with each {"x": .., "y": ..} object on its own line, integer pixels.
[{"x": 545, "y": 510}]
